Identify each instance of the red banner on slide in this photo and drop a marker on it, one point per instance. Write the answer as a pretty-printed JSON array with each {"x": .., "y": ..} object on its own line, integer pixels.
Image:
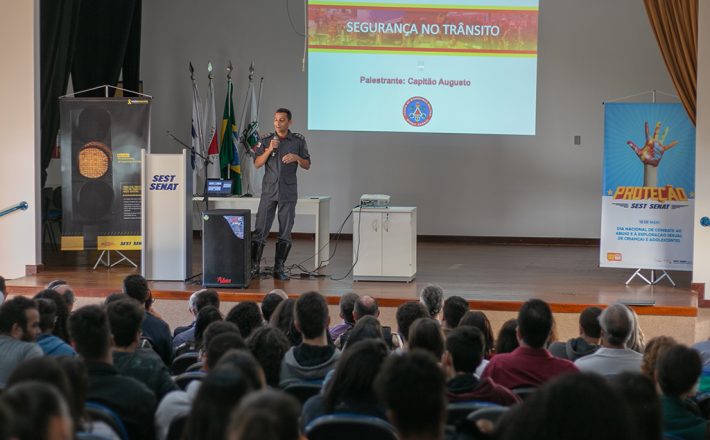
[{"x": 422, "y": 29}]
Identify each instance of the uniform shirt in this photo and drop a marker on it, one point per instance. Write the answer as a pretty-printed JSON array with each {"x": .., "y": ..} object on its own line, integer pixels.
[
  {"x": 526, "y": 367},
  {"x": 13, "y": 352},
  {"x": 279, "y": 178}
]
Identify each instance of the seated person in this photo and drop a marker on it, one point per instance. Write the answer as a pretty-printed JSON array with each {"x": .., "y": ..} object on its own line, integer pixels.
[
  {"x": 271, "y": 301},
  {"x": 530, "y": 364},
  {"x": 313, "y": 358},
  {"x": 406, "y": 314},
  {"x": 454, "y": 309},
  {"x": 677, "y": 374},
  {"x": 464, "y": 353},
  {"x": 202, "y": 298},
  {"x": 347, "y": 306},
  {"x": 19, "y": 328},
  {"x": 51, "y": 345},
  {"x": 364, "y": 306},
  {"x": 247, "y": 316},
  {"x": 588, "y": 340},
  {"x": 432, "y": 297},
  {"x": 153, "y": 327}
]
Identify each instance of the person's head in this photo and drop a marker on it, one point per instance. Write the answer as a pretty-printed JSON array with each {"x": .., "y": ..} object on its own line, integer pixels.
[
  {"x": 464, "y": 349},
  {"x": 640, "y": 394},
  {"x": 67, "y": 294},
  {"x": 617, "y": 325},
  {"x": 311, "y": 318},
  {"x": 589, "y": 323},
  {"x": 678, "y": 370},
  {"x": 125, "y": 319},
  {"x": 572, "y": 406},
  {"x": 367, "y": 327},
  {"x": 205, "y": 317},
  {"x": 136, "y": 287},
  {"x": 269, "y": 345},
  {"x": 60, "y": 325},
  {"x": 19, "y": 318},
  {"x": 355, "y": 374},
  {"x": 478, "y": 319},
  {"x": 39, "y": 412},
  {"x": 454, "y": 309},
  {"x": 265, "y": 415},
  {"x": 347, "y": 306},
  {"x": 282, "y": 120},
  {"x": 412, "y": 388},
  {"x": 655, "y": 347},
  {"x": 247, "y": 316},
  {"x": 90, "y": 333},
  {"x": 220, "y": 392},
  {"x": 283, "y": 319},
  {"x": 219, "y": 345},
  {"x": 426, "y": 334},
  {"x": 204, "y": 298},
  {"x": 47, "y": 314},
  {"x": 507, "y": 339},
  {"x": 215, "y": 329},
  {"x": 636, "y": 341},
  {"x": 432, "y": 297},
  {"x": 366, "y": 306},
  {"x": 269, "y": 303},
  {"x": 77, "y": 375},
  {"x": 406, "y": 314},
  {"x": 117, "y": 296},
  {"x": 242, "y": 359},
  {"x": 534, "y": 323}
]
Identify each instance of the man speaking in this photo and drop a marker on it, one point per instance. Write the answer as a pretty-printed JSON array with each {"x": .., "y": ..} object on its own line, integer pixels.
[{"x": 282, "y": 153}]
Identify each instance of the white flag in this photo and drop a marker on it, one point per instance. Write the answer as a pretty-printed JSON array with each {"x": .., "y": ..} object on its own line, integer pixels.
[
  {"x": 212, "y": 145},
  {"x": 251, "y": 176},
  {"x": 197, "y": 140}
]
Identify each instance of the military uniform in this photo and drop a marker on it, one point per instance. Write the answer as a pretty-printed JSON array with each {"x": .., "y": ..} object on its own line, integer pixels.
[{"x": 279, "y": 187}]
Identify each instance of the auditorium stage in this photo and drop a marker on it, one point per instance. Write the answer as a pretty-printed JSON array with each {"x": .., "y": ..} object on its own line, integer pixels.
[{"x": 492, "y": 277}]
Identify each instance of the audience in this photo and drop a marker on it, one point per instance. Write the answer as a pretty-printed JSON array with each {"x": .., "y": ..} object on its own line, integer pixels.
[
  {"x": 654, "y": 348},
  {"x": 640, "y": 394},
  {"x": 154, "y": 328},
  {"x": 50, "y": 344},
  {"x": 65, "y": 290},
  {"x": 433, "y": 298},
  {"x": 125, "y": 319},
  {"x": 205, "y": 317},
  {"x": 368, "y": 327},
  {"x": 507, "y": 340},
  {"x": 637, "y": 340},
  {"x": 677, "y": 373},
  {"x": 269, "y": 345},
  {"x": 199, "y": 300},
  {"x": 406, "y": 314},
  {"x": 530, "y": 364},
  {"x": 19, "y": 328},
  {"x": 244, "y": 361},
  {"x": 588, "y": 340},
  {"x": 464, "y": 352},
  {"x": 347, "y": 306},
  {"x": 60, "y": 326},
  {"x": 270, "y": 301},
  {"x": 426, "y": 334},
  {"x": 314, "y": 357},
  {"x": 91, "y": 337},
  {"x": 479, "y": 320},
  {"x": 364, "y": 306},
  {"x": 247, "y": 316},
  {"x": 39, "y": 412},
  {"x": 454, "y": 309},
  {"x": 283, "y": 319},
  {"x": 412, "y": 388},
  {"x": 265, "y": 415},
  {"x": 613, "y": 357},
  {"x": 702, "y": 347}
]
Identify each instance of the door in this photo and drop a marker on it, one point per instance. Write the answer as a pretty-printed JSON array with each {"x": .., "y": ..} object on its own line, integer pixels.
[
  {"x": 397, "y": 244},
  {"x": 367, "y": 243}
]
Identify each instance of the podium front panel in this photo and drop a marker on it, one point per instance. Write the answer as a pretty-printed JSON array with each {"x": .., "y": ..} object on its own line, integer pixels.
[{"x": 226, "y": 241}]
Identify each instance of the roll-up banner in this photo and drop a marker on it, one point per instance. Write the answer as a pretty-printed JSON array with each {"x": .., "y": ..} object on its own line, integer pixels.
[
  {"x": 101, "y": 171},
  {"x": 648, "y": 187}
]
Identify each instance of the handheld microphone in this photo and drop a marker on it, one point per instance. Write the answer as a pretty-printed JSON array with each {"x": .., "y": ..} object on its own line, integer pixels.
[{"x": 276, "y": 138}]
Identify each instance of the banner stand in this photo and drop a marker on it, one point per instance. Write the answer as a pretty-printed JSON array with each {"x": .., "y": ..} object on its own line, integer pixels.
[
  {"x": 653, "y": 281},
  {"x": 107, "y": 262}
]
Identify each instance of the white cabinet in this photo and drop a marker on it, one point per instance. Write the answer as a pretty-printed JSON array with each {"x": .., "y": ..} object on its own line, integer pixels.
[{"x": 385, "y": 244}]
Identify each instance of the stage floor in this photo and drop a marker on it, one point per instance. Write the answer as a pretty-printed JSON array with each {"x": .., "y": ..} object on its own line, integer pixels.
[{"x": 492, "y": 277}]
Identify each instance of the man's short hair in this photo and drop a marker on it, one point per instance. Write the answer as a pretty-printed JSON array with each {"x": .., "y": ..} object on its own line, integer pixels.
[
  {"x": 89, "y": 329},
  {"x": 616, "y": 323},
  {"x": 311, "y": 314},
  {"x": 206, "y": 297},
  {"x": 269, "y": 304},
  {"x": 465, "y": 344},
  {"x": 47, "y": 313},
  {"x": 406, "y": 314},
  {"x": 433, "y": 298},
  {"x": 678, "y": 369},
  {"x": 247, "y": 316},
  {"x": 217, "y": 328},
  {"x": 136, "y": 287},
  {"x": 589, "y": 321},
  {"x": 125, "y": 318},
  {"x": 535, "y": 322},
  {"x": 454, "y": 309},
  {"x": 413, "y": 388},
  {"x": 284, "y": 110},
  {"x": 14, "y": 312},
  {"x": 426, "y": 334},
  {"x": 207, "y": 316},
  {"x": 347, "y": 306},
  {"x": 221, "y": 344},
  {"x": 362, "y": 308}
]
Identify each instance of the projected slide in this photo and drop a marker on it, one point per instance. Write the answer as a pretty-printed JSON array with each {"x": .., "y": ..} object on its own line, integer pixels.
[{"x": 461, "y": 66}]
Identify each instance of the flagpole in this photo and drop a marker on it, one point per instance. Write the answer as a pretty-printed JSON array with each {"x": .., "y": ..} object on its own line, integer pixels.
[{"x": 229, "y": 109}]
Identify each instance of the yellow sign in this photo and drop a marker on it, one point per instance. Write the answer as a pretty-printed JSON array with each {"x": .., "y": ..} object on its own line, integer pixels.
[
  {"x": 73, "y": 243},
  {"x": 118, "y": 242}
]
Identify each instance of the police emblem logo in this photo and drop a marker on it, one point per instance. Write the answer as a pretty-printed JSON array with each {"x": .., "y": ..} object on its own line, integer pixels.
[{"x": 417, "y": 111}]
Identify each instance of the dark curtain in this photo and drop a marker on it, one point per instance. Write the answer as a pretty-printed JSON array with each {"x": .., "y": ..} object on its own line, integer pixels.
[
  {"x": 108, "y": 40},
  {"x": 58, "y": 29}
]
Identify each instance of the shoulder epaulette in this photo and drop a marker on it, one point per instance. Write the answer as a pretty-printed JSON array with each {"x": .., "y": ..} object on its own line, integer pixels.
[
  {"x": 299, "y": 136},
  {"x": 266, "y": 136}
]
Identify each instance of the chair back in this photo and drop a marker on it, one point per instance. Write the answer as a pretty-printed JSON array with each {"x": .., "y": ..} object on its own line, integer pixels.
[
  {"x": 524, "y": 392},
  {"x": 181, "y": 363},
  {"x": 303, "y": 390},
  {"x": 457, "y": 412},
  {"x": 184, "y": 379},
  {"x": 491, "y": 413},
  {"x": 350, "y": 427},
  {"x": 101, "y": 413}
]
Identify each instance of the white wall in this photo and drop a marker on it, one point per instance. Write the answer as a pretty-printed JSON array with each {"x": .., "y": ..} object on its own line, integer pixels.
[
  {"x": 18, "y": 150},
  {"x": 701, "y": 240},
  {"x": 543, "y": 185}
]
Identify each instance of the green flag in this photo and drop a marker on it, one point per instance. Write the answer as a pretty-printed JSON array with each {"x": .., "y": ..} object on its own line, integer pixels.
[{"x": 228, "y": 155}]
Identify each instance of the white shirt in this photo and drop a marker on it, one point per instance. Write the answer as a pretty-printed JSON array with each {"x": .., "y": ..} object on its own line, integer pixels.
[{"x": 610, "y": 361}]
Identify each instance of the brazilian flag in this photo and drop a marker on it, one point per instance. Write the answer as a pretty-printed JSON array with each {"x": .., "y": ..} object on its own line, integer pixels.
[{"x": 228, "y": 153}]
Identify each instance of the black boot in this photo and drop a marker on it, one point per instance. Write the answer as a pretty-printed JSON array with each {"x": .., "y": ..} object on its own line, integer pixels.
[
  {"x": 282, "y": 249},
  {"x": 256, "y": 250}
]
